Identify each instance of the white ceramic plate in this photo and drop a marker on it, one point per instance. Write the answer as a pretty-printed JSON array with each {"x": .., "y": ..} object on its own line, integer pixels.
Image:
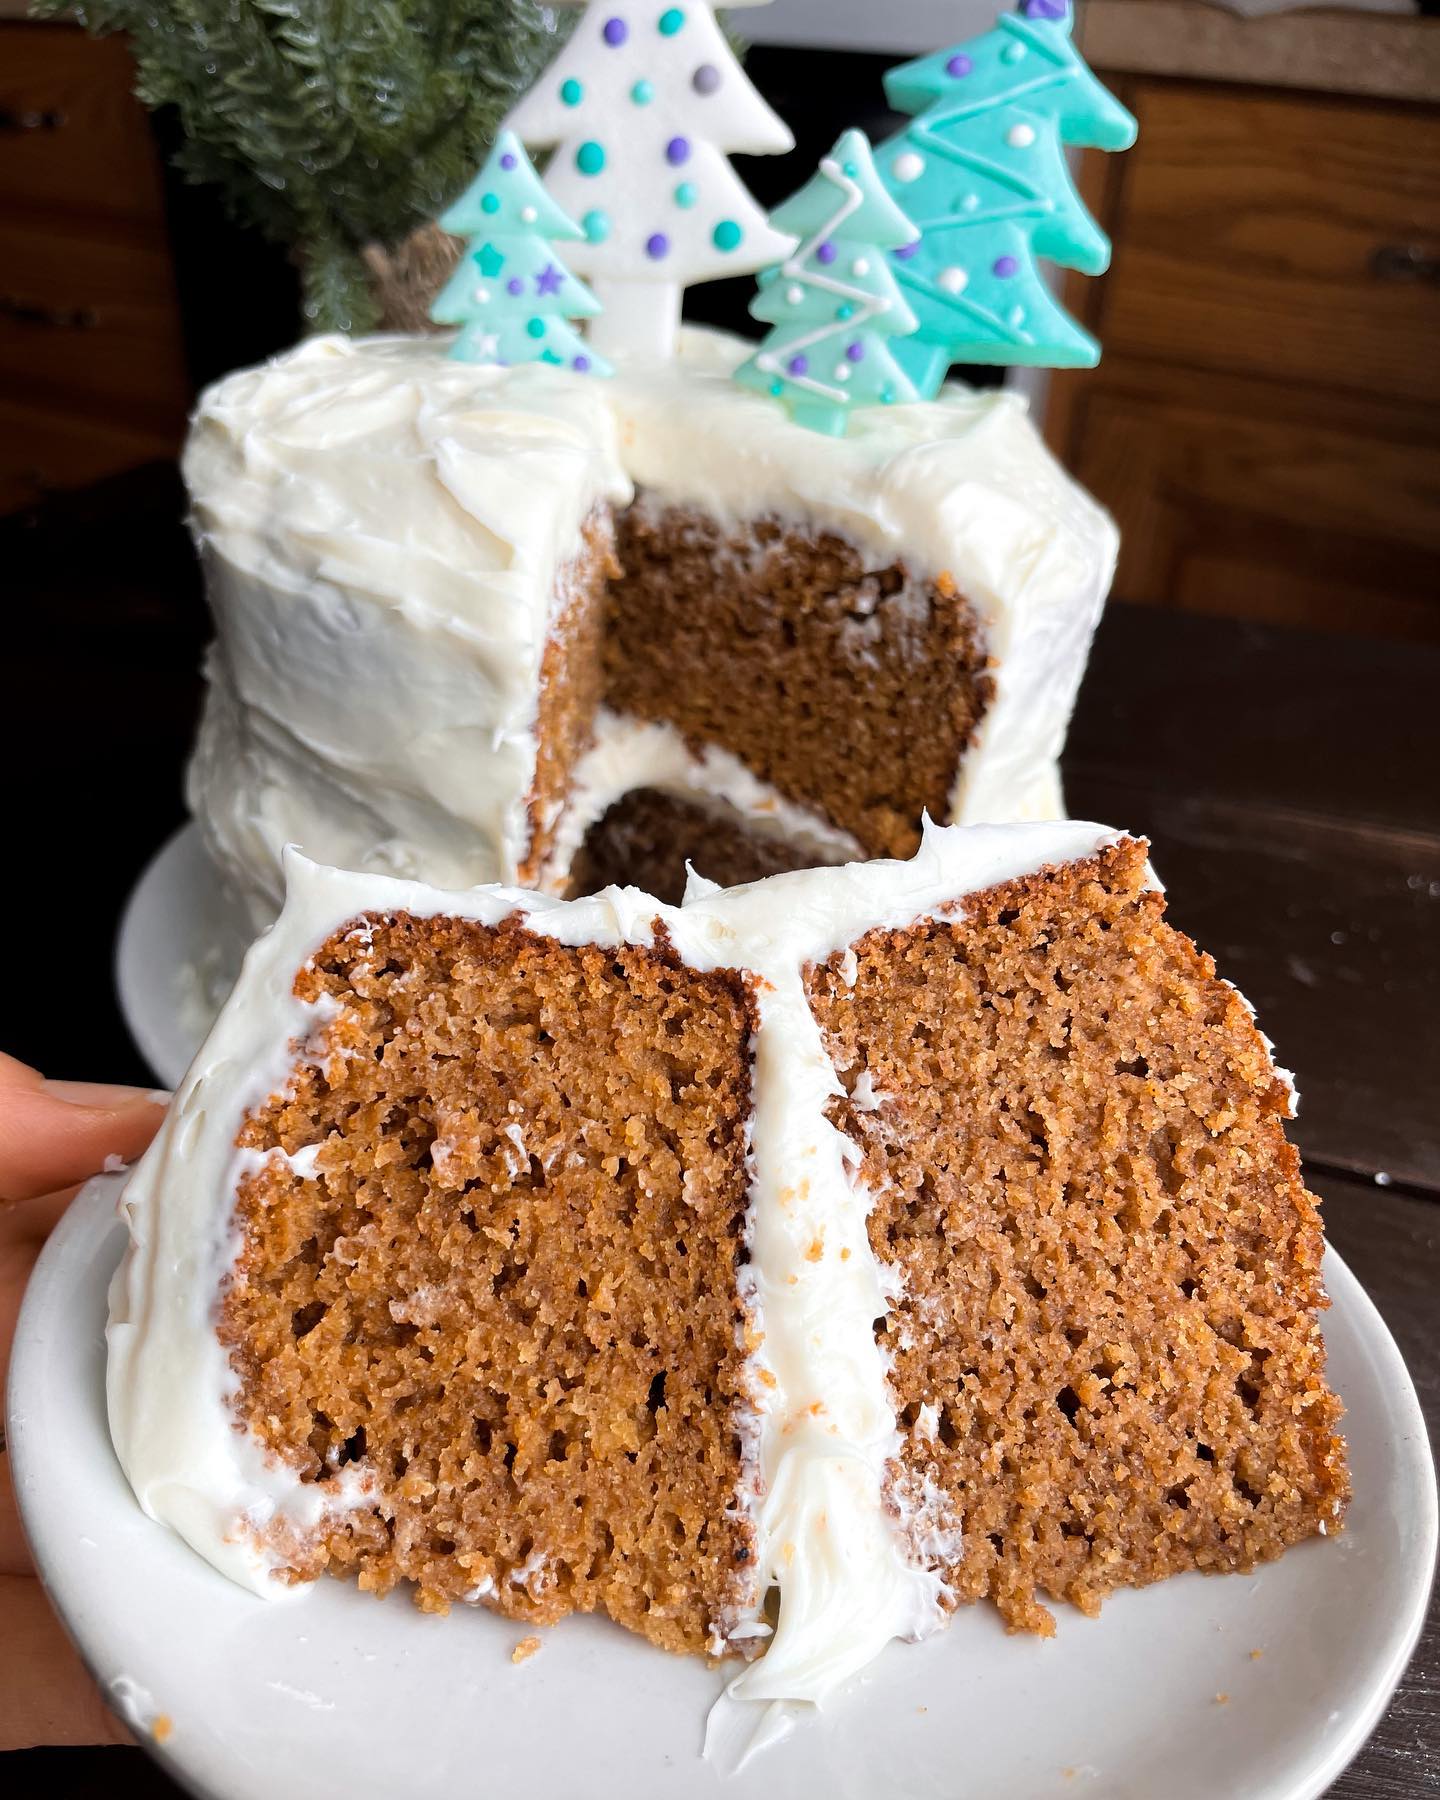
[
  {"x": 180, "y": 944},
  {"x": 337, "y": 1693}
]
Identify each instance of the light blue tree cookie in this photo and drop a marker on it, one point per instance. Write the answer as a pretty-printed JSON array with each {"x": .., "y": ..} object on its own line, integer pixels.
[
  {"x": 833, "y": 303},
  {"x": 511, "y": 294},
  {"x": 982, "y": 172}
]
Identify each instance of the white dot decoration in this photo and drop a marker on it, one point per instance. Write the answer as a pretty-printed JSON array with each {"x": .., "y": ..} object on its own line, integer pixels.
[
  {"x": 1020, "y": 137},
  {"x": 794, "y": 295},
  {"x": 909, "y": 166},
  {"x": 482, "y": 296},
  {"x": 1016, "y": 316},
  {"x": 954, "y": 280},
  {"x": 860, "y": 266},
  {"x": 970, "y": 202},
  {"x": 528, "y": 215},
  {"x": 842, "y": 371}
]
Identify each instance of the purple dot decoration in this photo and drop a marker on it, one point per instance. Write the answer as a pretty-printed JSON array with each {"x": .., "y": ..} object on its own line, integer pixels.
[
  {"x": 615, "y": 33},
  {"x": 825, "y": 254},
  {"x": 657, "y": 245},
  {"x": 959, "y": 65},
  {"x": 507, "y": 161},
  {"x": 582, "y": 364},
  {"x": 906, "y": 251},
  {"x": 1005, "y": 266},
  {"x": 677, "y": 151},
  {"x": 1045, "y": 9},
  {"x": 798, "y": 365},
  {"x": 855, "y": 352},
  {"x": 706, "y": 79},
  {"x": 514, "y": 286}
]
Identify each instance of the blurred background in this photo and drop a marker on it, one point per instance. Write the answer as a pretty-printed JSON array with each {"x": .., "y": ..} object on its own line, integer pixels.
[{"x": 1265, "y": 689}]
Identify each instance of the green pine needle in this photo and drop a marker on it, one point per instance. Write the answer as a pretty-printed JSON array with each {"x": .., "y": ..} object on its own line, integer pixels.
[{"x": 330, "y": 124}]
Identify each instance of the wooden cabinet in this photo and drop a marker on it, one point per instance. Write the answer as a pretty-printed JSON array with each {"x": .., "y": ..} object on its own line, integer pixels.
[
  {"x": 1264, "y": 421},
  {"x": 92, "y": 374}
]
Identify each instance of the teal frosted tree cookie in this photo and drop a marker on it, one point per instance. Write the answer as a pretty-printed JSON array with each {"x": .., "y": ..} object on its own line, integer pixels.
[
  {"x": 511, "y": 294},
  {"x": 981, "y": 170},
  {"x": 834, "y": 303}
]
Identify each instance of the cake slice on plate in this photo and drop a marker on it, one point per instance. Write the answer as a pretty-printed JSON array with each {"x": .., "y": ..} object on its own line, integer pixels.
[{"x": 772, "y": 1272}]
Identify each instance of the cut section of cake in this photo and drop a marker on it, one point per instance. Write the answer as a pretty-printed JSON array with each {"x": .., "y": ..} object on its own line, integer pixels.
[
  {"x": 464, "y": 613},
  {"x": 772, "y": 1273}
]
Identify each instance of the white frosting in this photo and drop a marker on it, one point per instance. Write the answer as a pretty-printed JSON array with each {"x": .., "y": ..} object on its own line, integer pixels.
[
  {"x": 632, "y": 753},
  {"x": 824, "y": 1428},
  {"x": 381, "y": 528}
]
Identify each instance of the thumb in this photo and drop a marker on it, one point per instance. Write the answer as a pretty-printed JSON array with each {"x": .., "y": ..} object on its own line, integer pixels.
[{"x": 54, "y": 1134}]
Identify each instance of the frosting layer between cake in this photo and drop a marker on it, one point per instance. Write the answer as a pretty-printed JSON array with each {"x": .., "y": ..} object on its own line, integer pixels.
[
  {"x": 382, "y": 527},
  {"x": 824, "y": 1428}
]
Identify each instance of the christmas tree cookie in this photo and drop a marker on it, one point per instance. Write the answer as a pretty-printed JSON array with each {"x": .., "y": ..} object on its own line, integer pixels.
[
  {"x": 640, "y": 107},
  {"x": 982, "y": 172},
  {"x": 511, "y": 294},
  {"x": 833, "y": 303}
]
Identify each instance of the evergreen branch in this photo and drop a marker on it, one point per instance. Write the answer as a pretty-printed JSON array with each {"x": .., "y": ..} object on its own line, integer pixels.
[{"x": 329, "y": 124}]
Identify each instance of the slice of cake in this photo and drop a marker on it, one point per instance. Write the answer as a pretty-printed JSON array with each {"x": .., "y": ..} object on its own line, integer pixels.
[
  {"x": 519, "y": 624},
  {"x": 772, "y": 1272}
]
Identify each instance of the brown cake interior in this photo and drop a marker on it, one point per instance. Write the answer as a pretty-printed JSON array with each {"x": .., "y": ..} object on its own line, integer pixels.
[
  {"x": 1112, "y": 1268},
  {"x": 849, "y": 688},
  {"x": 571, "y": 681},
  {"x": 508, "y": 1291},
  {"x": 646, "y": 838}
]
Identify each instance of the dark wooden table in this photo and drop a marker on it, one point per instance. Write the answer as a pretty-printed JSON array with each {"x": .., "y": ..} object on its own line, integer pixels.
[{"x": 1290, "y": 784}]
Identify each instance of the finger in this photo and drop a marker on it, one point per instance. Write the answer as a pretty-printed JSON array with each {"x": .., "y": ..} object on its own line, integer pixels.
[
  {"x": 46, "y": 1696},
  {"x": 54, "y": 1134}
]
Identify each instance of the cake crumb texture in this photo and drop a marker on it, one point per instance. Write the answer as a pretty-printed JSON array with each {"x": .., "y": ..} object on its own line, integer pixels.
[
  {"x": 646, "y": 838},
  {"x": 1106, "y": 1356},
  {"x": 505, "y": 1284},
  {"x": 850, "y": 689}
]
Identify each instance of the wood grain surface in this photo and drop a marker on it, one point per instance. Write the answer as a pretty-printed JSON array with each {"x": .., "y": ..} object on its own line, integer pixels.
[{"x": 1290, "y": 783}]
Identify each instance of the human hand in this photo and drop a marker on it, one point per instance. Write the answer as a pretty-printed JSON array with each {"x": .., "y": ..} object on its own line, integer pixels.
[{"x": 54, "y": 1135}]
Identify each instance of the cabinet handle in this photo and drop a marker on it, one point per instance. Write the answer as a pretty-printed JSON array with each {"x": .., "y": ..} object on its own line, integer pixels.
[
  {"x": 31, "y": 119},
  {"x": 1405, "y": 262},
  {"x": 55, "y": 318}
]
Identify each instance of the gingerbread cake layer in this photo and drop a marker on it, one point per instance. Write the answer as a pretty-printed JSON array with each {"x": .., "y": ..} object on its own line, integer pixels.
[
  {"x": 504, "y": 1277},
  {"x": 773, "y": 1272},
  {"x": 850, "y": 688},
  {"x": 1106, "y": 1350}
]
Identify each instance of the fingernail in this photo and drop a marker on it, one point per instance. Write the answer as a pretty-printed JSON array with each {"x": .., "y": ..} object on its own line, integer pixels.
[{"x": 101, "y": 1094}]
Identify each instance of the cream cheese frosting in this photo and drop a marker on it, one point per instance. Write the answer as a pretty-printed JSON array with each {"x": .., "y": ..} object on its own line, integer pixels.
[
  {"x": 381, "y": 529},
  {"x": 823, "y": 1428}
]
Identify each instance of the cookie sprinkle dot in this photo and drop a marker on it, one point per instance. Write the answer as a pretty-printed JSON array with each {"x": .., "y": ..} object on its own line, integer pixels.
[
  {"x": 706, "y": 79},
  {"x": 590, "y": 158},
  {"x": 571, "y": 92},
  {"x": 615, "y": 33}
]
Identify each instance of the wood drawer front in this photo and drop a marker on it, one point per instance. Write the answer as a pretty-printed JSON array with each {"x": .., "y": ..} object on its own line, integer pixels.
[
  {"x": 92, "y": 323},
  {"x": 41, "y": 450},
  {"x": 73, "y": 138},
  {"x": 1227, "y": 505},
  {"x": 1247, "y": 234}
]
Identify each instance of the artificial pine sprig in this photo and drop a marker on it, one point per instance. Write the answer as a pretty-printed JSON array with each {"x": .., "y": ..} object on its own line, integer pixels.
[{"x": 330, "y": 124}]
